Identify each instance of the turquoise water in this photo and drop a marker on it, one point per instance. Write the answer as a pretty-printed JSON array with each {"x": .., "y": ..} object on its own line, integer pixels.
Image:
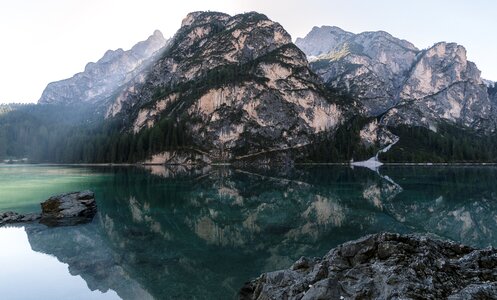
[{"x": 177, "y": 233}]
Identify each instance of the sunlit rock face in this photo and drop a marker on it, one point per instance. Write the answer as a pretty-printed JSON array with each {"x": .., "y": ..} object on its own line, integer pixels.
[
  {"x": 99, "y": 82},
  {"x": 241, "y": 84},
  {"x": 392, "y": 77}
]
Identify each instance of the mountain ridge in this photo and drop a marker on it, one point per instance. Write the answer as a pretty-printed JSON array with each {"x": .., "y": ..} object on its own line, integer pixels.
[
  {"x": 388, "y": 74},
  {"x": 100, "y": 79},
  {"x": 236, "y": 89}
]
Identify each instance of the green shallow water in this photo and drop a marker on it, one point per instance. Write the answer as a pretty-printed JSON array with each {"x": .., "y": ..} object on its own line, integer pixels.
[{"x": 180, "y": 233}]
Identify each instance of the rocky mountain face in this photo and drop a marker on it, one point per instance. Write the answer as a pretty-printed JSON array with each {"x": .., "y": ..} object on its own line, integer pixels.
[
  {"x": 101, "y": 80},
  {"x": 391, "y": 77},
  {"x": 242, "y": 85},
  {"x": 235, "y": 88}
]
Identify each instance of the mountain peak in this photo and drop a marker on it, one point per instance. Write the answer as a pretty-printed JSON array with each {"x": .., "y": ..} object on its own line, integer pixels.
[
  {"x": 201, "y": 17},
  {"x": 321, "y": 39},
  {"x": 239, "y": 86},
  {"x": 102, "y": 78},
  {"x": 157, "y": 34},
  {"x": 208, "y": 40}
]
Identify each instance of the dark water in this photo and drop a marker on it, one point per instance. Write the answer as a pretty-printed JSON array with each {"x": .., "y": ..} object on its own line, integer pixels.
[{"x": 201, "y": 233}]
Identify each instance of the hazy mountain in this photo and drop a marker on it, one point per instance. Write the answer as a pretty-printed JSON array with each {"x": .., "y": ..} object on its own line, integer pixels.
[{"x": 101, "y": 80}]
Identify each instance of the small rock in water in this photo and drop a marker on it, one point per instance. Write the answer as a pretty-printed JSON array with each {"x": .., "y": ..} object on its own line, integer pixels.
[
  {"x": 69, "y": 209},
  {"x": 13, "y": 217},
  {"x": 62, "y": 210}
]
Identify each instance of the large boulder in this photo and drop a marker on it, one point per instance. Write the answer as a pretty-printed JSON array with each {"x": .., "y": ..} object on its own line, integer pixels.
[
  {"x": 69, "y": 209},
  {"x": 385, "y": 266}
]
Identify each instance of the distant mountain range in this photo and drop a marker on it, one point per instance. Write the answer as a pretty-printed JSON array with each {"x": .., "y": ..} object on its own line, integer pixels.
[
  {"x": 391, "y": 77},
  {"x": 236, "y": 89},
  {"x": 100, "y": 80}
]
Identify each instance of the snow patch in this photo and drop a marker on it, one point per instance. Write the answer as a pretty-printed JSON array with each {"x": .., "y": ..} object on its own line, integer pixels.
[{"x": 374, "y": 163}]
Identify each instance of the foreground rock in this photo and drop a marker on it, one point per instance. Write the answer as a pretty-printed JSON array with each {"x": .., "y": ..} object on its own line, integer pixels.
[
  {"x": 385, "y": 266},
  {"x": 62, "y": 210}
]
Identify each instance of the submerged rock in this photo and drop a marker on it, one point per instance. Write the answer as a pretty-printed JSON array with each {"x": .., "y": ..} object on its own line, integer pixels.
[
  {"x": 69, "y": 209},
  {"x": 385, "y": 266}
]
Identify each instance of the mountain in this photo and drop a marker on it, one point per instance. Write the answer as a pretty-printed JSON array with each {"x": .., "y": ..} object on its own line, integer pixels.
[
  {"x": 394, "y": 79},
  {"x": 236, "y": 89},
  {"x": 238, "y": 86},
  {"x": 101, "y": 80}
]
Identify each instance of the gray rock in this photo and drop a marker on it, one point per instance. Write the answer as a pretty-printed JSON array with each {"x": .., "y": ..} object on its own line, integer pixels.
[
  {"x": 69, "y": 209},
  {"x": 322, "y": 39},
  {"x": 13, "y": 217},
  {"x": 385, "y": 266}
]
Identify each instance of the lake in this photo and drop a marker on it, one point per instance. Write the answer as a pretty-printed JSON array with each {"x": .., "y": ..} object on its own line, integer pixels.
[{"x": 200, "y": 233}]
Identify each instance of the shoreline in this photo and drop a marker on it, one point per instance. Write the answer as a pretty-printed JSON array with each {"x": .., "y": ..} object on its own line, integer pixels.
[{"x": 424, "y": 164}]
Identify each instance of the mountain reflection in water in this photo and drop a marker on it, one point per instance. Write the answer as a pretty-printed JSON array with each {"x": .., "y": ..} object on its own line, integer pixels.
[{"x": 201, "y": 233}]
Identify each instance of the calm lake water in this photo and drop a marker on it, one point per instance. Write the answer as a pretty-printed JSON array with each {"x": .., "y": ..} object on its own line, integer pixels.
[{"x": 177, "y": 233}]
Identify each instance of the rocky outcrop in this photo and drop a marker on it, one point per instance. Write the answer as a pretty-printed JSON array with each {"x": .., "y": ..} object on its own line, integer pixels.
[
  {"x": 239, "y": 82},
  {"x": 101, "y": 80},
  {"x": 69, "y": 209},
  {"x": 62, "y": 210},
  {"x": 392, "y": 77},
  {"x": 385, "y": 266}
]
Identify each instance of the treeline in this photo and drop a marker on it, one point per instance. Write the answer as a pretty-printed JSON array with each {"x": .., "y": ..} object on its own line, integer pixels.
[
  {"x": 448, "y": 144},
  {"x": 109, "y": 144},
  {"x": 342, "y": 146},
  {"x": 27, "y": 130},
  {"x": 66, "y": 135}
]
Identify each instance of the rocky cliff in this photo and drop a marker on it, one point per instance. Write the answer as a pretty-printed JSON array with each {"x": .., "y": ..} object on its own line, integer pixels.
[
  {"x": 392, "y": 77},
  {"x": 240, "y": 83},
  {"x": 101, "y": 80}
]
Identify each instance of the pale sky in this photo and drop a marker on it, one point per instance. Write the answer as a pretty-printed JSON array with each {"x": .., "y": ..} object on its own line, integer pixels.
[{"x": 50, "y": 40}]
